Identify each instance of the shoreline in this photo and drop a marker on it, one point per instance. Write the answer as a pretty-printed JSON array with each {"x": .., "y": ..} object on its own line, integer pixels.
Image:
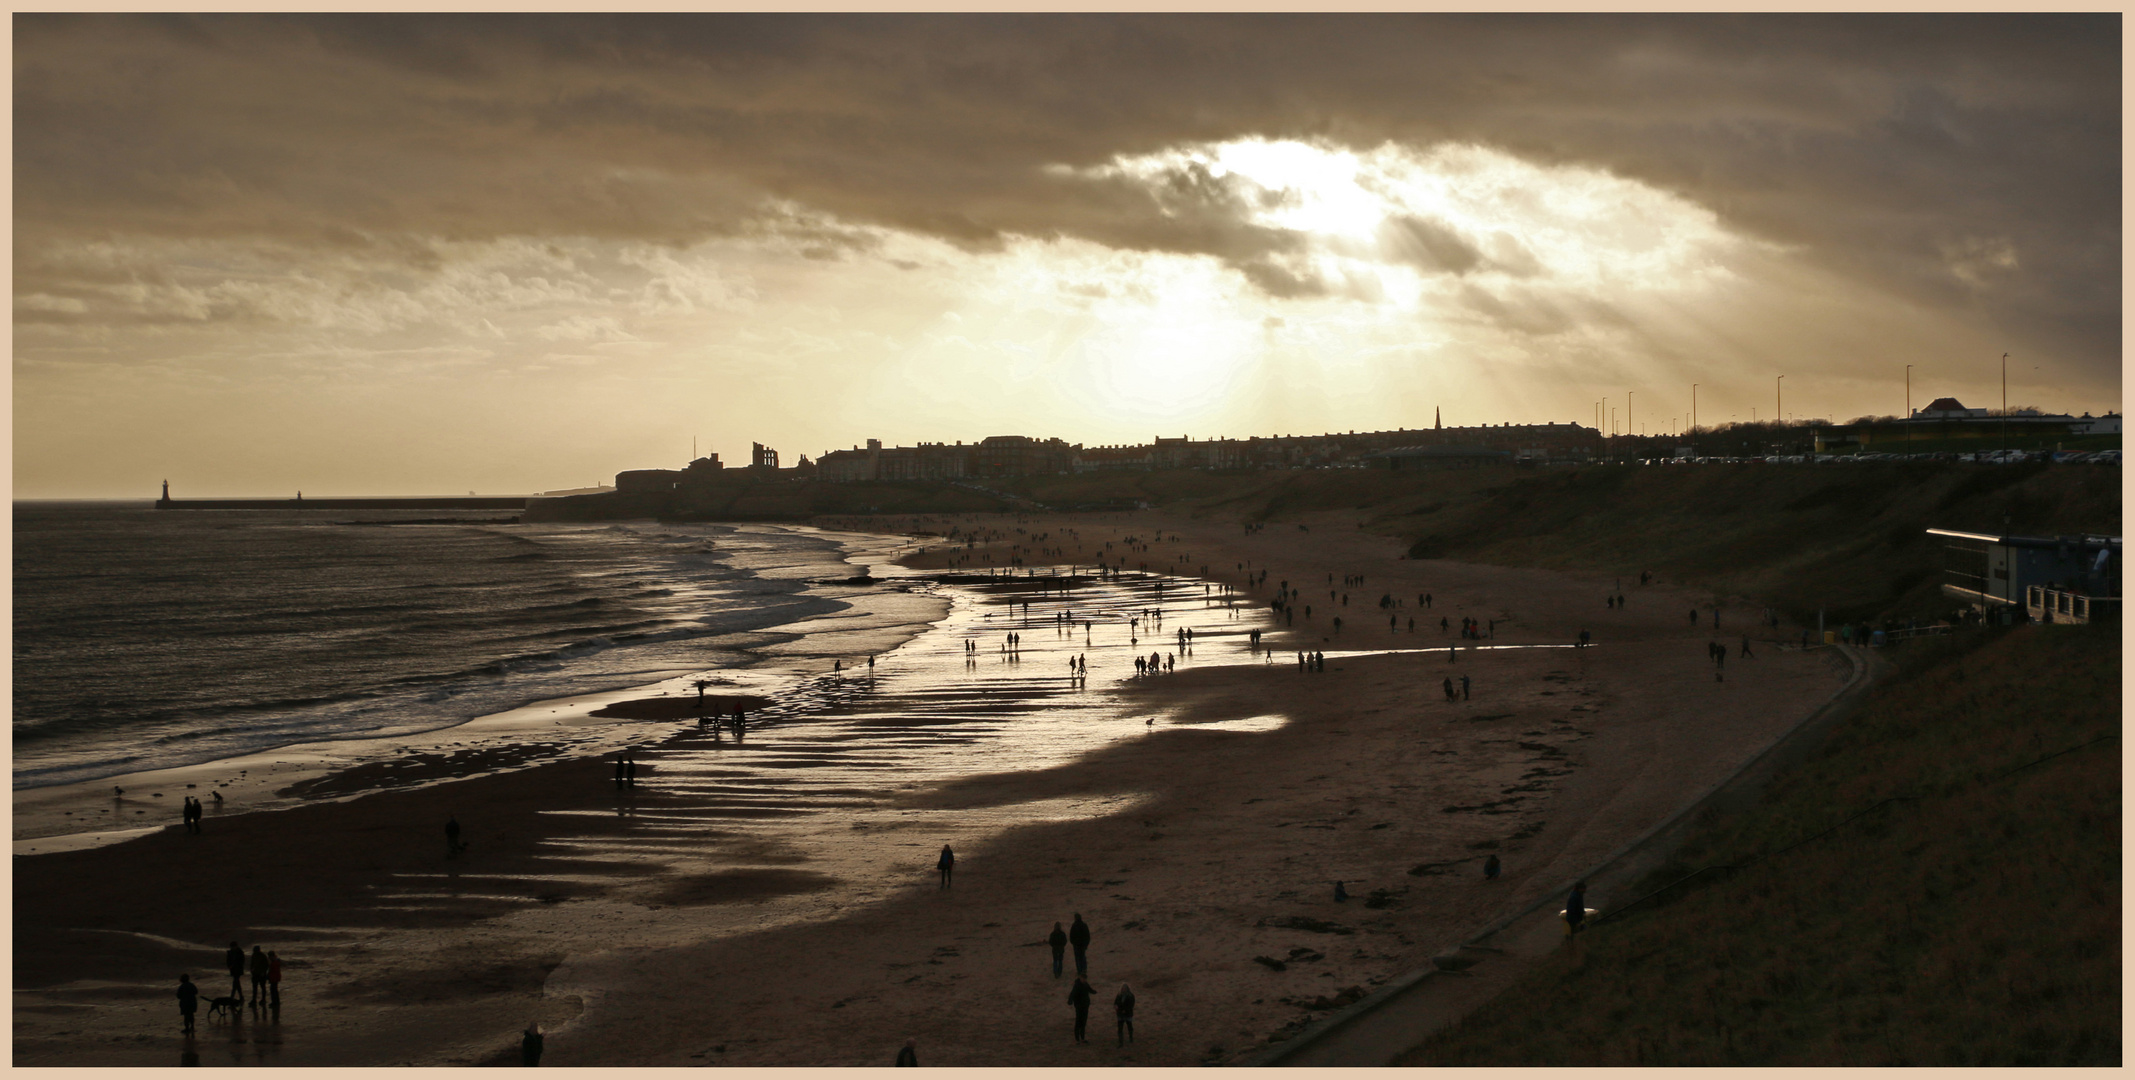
[
  {"x": 834, "y": 905},
  {"x": 257, "y": 781}
]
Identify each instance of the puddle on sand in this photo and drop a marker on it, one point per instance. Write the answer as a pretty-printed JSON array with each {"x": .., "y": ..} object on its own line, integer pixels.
[{"x": 1244, "y": 723}]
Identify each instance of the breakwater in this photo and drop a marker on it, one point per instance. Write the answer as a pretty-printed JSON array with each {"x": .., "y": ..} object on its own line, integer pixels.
[{"x": 499, "y": 502}]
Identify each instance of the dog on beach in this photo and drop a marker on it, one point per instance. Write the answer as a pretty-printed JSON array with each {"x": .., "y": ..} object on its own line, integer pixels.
[{"x": 225, "y": 1005}]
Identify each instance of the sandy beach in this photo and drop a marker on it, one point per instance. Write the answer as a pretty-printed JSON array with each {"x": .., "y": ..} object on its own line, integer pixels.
[{"x": 771, "y": 899}]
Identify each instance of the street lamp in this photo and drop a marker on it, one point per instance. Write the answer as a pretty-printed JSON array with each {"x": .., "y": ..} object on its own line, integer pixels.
[
  {"x": 1779, "y": 414},
  {"x": 2005, "y": 401},
  {"x": 1908, "y": 403},
  {"x": 1693, "y": 419}
]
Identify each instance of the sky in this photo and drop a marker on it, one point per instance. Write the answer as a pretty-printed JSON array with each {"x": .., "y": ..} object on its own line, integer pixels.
[{"x": 386, "y": 254}]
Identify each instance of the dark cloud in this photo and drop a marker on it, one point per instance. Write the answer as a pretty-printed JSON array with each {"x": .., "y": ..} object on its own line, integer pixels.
[
  {"x": 1431, "y": 246},
  {"x": 1878, "y": 145}
]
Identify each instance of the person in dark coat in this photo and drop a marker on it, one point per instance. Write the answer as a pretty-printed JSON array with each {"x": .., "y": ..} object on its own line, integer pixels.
[
  {"x": 188, "y": 1000},
  {"x": 1079, "y": 936},
  {"x": 1058, "y": 941},
  {"x": 530, "y": 1046},
  {"x": 274, "y": 979},
  {"x": 909, "y": 1054},
  {"x": 1123, "y": 1009},
  {"x": 235, "y": 961},
  {"x": 1575, "y": 909},
  {"x": 1079, "y": 996},
  {"x": 259, "y": 977},
  {"x": 1490, "y": 868},
  {"x": 452, "y": 835},
  {"x": 945, "y": 864}
]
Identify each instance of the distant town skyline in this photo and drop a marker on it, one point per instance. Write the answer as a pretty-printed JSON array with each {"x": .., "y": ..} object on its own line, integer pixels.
[{"x": 406, "y": 253}]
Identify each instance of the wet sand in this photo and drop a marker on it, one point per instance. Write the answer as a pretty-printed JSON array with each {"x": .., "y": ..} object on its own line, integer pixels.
[{"x": 772, "y": 901}]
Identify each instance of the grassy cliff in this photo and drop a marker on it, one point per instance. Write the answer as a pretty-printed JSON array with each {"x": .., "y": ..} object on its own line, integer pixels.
[
  {"x": 1850, "y": 540},
  {"x": 1940, "y": 885}
]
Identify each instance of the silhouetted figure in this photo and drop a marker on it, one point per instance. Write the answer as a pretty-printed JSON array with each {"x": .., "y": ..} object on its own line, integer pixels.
[
  {"x": 274, "y": 980},
  {"x": 1490, "y": 868},
  {"x": 1079, "y": 937},
  {"x": 1079, "y": 996},
  {"x": 188, "y": 1001},
  {"x": 1059, "y": 942},
  {"x": 908, "y": 1055},
  {"x": 530, "y": 1046},
  {"x": 1575, "y": 909},
  {"x": 1693, "y": 616},
  {"x": 618, "y": 771},
  {"x": 235, "y": 961},
  {"x": 215, "y": 795},
  {"x": 259, "y": 977},
  {"x": 1464, "y": 695},
  {"x": 1449, "y": 688},
  {"x": 945, "y": 864},
  {"x": 452, "y": 835},
  {"x": 1341, "y": 892},
  {"x": 1746, "y": 647},
  {"x": 1123, "y": 1009}
]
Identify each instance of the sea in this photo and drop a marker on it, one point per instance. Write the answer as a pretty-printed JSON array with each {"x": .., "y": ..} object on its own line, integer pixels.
[{"x": 149, "y": 639}]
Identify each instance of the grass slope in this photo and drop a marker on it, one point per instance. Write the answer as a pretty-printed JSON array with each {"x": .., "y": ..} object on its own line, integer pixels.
[
  {"x": 1975, "y": 921},
  {"x": 1849, "y": 540}
]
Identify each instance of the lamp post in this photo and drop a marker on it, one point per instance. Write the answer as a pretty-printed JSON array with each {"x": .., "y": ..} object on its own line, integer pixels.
[
  {"x": 1908, "y": 403},
  {"x": 1693, "y": 419},
  {"x": 2005, "y": 401},
  {"x": 1779, "y": 398}
]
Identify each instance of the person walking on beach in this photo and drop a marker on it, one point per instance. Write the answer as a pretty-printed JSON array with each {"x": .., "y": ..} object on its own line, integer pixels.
[
  {"x": 630, "y": 772},
  {"x": 1464, "y": 695},
  {"x": 1746, "y": 647},
  {"x": 945, "y": 864},
  {"x": 618, "y": 770},
  {"x": 1059, "y": 942},
  {"x": 1575, "y": 910},
  {"x": 530, "y": 1046},
  {"x": 1123, "y": 1009},
  {"x": 1491, "y": 867},
  {"x": 235, "y": 961},
  {"x": 259, "y": 977},
  {"x": 908, "y": 1055},
  {"x": 1449, "y": 689},
  {"x": 188, "y": 1001},
  {"x": 274, "y": 979},
  {"x": 1079, "y": 937},
  {"x": 452, "y": 835},
  {"x": 1079, "y": 996}
]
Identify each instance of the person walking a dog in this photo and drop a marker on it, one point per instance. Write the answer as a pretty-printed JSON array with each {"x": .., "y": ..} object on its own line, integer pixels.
[
  {"x": 235, "y": 961},
  {"x": 188, "y": 1001}
]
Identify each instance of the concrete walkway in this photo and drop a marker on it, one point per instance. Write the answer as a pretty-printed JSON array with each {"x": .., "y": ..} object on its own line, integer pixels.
[{"x": 1399, "y": 1016}]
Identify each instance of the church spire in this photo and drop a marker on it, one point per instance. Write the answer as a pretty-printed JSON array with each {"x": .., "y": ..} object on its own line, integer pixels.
[{"x": 1438, "y": 420}]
